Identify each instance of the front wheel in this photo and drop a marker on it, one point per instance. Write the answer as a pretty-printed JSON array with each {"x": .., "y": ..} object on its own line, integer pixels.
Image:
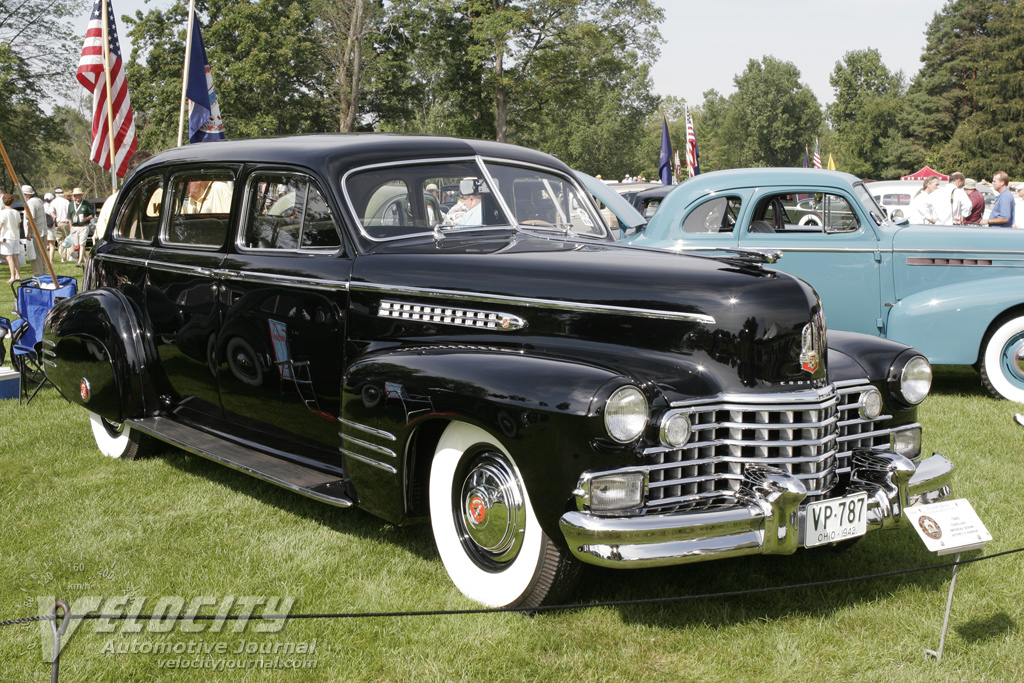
[
  {"x": 485, "y": 529},
  {"x": 1002, "y": 360},
  {"x": 119, "y": 440}
]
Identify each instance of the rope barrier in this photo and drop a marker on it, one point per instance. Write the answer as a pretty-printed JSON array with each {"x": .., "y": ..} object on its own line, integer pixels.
[{"x": 530, "y": 610}]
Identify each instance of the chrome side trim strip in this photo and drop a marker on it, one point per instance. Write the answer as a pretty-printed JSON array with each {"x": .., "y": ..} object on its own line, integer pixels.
[
  {"x": 369, "y": 430},
  {"x": 535, "y": 303},
  {"x": 129, "y": 260},
  {"x": 371, "y": 446},
  {"x": 369, "y": 461},
  {"x": 283, "y": 280}
]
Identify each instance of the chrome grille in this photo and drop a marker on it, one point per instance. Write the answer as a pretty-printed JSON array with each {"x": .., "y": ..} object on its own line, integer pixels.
[{"x": 811, "y": 437}]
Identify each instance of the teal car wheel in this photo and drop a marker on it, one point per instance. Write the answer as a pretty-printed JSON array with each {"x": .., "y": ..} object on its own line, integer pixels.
[{"x": 1002, "y": 360}]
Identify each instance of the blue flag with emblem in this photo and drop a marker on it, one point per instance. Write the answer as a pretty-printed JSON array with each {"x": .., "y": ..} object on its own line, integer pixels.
[
  {"x": 665, "y": 158},
  {"x": 204, "y": 121}
]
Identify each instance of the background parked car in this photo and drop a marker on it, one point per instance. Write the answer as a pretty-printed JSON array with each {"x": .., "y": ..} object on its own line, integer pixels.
[{"x": 955, "y": 293}]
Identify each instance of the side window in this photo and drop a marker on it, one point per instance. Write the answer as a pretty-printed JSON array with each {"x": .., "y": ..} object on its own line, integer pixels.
[
  {"x": 200, "y": 208},
  {"x": 838, "y": 215},
  {"x": 286, "y": 211},
  {"x": 139, "y": 219},
  {"x": 715, "y": 215},
  {"x": 803, "y": 213}
]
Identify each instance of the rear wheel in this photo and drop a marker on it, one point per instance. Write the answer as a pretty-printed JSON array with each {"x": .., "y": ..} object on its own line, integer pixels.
[
  {"x": 486, "y": 531},
  {"x": 119, "y": 440},
  {"x": 1002, "y": 360}
]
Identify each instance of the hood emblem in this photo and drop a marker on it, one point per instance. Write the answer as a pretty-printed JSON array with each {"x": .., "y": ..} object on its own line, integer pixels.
[{"x": 810, "y": 348}]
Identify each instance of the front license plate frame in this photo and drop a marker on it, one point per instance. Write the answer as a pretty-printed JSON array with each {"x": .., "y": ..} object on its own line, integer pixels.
[{"x": 835, "y": 520}]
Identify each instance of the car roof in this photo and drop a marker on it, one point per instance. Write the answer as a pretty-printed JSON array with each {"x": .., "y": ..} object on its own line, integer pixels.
[
  {"x": 759, "y": 177},
  {"x": 339, "y": 153}
]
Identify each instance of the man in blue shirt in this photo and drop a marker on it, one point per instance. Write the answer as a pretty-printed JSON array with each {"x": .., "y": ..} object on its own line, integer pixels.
[{"x": 1002, "y": 211}]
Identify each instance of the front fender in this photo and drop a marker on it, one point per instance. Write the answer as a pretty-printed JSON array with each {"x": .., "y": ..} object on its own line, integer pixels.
[
  {"x": 98, "y": 353},
  {"x": 948, "y": 323},
  {"x": 544, "y": 410}
]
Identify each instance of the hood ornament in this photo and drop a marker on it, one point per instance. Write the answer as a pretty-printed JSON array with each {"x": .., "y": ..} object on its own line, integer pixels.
[{"x": 810, "y": 348}]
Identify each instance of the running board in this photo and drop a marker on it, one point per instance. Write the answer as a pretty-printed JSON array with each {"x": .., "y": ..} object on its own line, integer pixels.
[{"x": 306, "y": 481}]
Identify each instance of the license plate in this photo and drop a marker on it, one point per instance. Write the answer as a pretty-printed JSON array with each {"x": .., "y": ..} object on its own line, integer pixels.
[{"x": 839, "y": 519}]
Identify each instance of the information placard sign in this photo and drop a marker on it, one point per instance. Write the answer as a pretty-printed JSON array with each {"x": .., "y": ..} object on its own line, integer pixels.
[{"x": 951, "y": 526}]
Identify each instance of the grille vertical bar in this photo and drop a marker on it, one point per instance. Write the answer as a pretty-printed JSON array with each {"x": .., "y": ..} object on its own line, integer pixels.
[{"x": 812, "y": 438}]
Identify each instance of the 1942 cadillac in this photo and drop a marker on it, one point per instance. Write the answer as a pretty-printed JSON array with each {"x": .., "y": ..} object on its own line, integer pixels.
[
  {"x": 955, "y": 293},
  {"x": 541, "y": 394}
]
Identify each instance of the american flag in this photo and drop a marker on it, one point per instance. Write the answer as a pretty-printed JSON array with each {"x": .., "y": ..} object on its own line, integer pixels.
[
  {"x": 817, "y": 157},
  {"x": 692, "y": 153},
  {"x": 90, "y": 75}
]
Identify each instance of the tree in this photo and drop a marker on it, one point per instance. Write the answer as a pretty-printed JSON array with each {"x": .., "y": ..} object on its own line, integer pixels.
[
  {"x": 519, "y": 41},
  {"x": 37, "y": 48},
  {"x": 867, "y": 110},
  {"x": 966, "y": 102},
  {"x": 342, "y": 27},
  {"x": 770, "y": 117},
  {"x": 267, "y": 67}
]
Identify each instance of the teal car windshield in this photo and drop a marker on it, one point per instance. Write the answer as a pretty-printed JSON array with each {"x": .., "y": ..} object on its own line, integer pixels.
[{"x": 870, "y": 205}]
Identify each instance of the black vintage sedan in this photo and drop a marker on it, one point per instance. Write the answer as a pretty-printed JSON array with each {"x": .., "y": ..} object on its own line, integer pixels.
[{"x": 299, "y": 309}]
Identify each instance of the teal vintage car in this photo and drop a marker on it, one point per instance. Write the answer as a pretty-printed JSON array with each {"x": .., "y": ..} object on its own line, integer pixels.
[{"x": 955, "y": 293}]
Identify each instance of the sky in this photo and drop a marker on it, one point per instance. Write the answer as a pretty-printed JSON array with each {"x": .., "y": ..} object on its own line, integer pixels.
[{"x": 707, "y": 45}]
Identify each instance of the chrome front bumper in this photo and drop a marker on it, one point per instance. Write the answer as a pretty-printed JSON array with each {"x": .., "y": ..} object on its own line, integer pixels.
[{"x": 767, "y": 517}]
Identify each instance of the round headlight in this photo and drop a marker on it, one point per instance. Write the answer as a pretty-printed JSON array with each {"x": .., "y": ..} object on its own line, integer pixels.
[
  {"x": 625, "y": 414},
  {"x": 871, "y": 404},
  {"x": 916, "y": 380},
  {"x": 675, "y": 430}
]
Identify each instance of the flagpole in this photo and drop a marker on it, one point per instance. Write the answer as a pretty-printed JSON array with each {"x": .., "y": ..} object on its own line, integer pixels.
[
  {"x": 184, "y": 75},
  {"x": 110, "y": 98}
]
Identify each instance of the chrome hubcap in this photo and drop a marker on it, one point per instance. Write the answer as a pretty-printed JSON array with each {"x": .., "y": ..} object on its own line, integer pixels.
[
  {"x": 491, "y": 511},
  {"x": 1013, "y": 358}
]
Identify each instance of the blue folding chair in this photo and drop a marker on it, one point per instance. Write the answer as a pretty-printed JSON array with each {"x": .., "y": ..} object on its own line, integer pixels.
[{"x": 33, "y": 299}]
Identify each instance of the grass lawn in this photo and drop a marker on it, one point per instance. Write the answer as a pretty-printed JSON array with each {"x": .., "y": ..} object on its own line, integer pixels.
[{"x": 75, "y": 524}]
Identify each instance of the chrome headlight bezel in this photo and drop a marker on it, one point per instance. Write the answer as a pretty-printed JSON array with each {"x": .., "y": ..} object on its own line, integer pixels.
[{"x": 626, "y": 414}]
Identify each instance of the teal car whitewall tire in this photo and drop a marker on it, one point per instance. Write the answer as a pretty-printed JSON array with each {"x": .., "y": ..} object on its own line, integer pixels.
[{"x": 1002, "y": 360}]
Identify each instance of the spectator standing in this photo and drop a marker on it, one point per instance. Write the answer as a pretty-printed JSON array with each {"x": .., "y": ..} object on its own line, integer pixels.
[
  {"x": 81, "y": 213},
  {"x": 951, "y": 203},
  {"x": 977, "y": 201},
  {"x": 1018, "y": 206},
  {"x": 35, "y": 206},
  {"x": 1002, "y": 215},
  {"x": 10, "y": 236},
  {"x": 922, "y": 209},
  {"x": 61, "y": 224}
]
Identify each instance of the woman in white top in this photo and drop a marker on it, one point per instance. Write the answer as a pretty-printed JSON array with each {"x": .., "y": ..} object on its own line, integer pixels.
[
  {"x": 922, "y": 211},
  {"x": 10, "y": 236}
]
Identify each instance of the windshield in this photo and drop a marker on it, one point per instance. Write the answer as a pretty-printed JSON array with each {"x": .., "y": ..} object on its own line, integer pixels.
[
  {"x": 400, "y": 201},
  {"x": 869, "y": 203}
]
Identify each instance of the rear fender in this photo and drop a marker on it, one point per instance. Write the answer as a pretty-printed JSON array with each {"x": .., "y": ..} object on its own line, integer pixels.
[
  {"x": 950, "y": 321},
  {"x": 545, "y": 411},
  {"x": 99, "y": 357}
]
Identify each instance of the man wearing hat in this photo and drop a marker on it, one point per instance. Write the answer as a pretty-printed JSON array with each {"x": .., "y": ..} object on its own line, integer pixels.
[
  {"x": 977, "y": 201},
  {"x": 34, "y": 206},
  {"x": 80, "y": 213},
  {"x": 62, "y": 226}
]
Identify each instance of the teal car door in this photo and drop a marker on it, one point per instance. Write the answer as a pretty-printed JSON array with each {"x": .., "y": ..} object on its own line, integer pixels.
[{"x": 827, "y": 240}]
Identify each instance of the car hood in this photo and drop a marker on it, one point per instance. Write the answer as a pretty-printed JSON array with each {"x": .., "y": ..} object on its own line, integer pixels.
[{"x": 683, "y": 320}]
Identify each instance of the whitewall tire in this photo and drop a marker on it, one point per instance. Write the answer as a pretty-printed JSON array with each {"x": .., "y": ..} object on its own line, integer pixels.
[
  {"x": 1002, "y": 360},
  {"x": 484, "y": 526},
  {"x": 119, "y": 440}
]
